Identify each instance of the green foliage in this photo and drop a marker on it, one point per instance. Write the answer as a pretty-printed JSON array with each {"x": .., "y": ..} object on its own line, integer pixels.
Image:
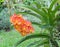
[
  {"x": 58, "y": 1},
  {"x": 1, "y": 1},
  {"x": 4, "y": 19},
  {"x": 47, "y": 16},
  {"x": 28, "y": 2},
  {"x": 1, "y": 6},
  {"x": 38, "y": 43},
  {"x": 33, "y": 36}
]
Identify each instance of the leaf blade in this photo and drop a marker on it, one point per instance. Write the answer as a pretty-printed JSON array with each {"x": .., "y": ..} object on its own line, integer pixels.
[
  {"x": 32, "y": 36},
  {"x": 52, "y": 4}
]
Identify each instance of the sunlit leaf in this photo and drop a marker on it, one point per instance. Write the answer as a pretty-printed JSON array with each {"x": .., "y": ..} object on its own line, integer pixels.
[
  {"x": 58, "y": 1},
  {"x": 42, "y": 15},
  {"x": 1, "y": 0},
  {"x": 56, "y": 9},
  {"x": 38, "y": 43},
  {"x": 38, "y": 5},
  {"x": 42, "y": 42},
  {"x": 31, "y": 37},
  {"x": 33, "y": 43},
  {"x": 52, "y": 4},
  {"x": 33, "y": 14}
]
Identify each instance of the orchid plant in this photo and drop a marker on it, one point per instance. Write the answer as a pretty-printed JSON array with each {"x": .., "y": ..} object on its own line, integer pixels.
[{"x": 48, "y": 17}]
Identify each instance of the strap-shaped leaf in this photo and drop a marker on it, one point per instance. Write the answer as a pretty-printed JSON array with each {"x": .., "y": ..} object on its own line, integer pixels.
[
  {"x": 52, "y": 4},
  {"x": 42, "y": 42},
  {"x": 38, "y": 43},
  {"x": 33, "y": 14},
  {"x": 45, "y": 10},
  {"x": 56, "y": 9},
  {"x": 51, "y": 17},
  {"x": 35, "y": 10},
  {"x": 40, "y": 25},
  {"x": 50, "y": 13},
  {"x": 32, "y": 36},
  {"x": 41, "y": 14},
  {"x": 38, "y": 5},
  {"x": 35, "y": 23},
  {"x": 33, "y": 43}
]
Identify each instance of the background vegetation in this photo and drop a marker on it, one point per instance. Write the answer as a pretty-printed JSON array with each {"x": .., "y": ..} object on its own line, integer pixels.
[{"x": 9, "y": 7}]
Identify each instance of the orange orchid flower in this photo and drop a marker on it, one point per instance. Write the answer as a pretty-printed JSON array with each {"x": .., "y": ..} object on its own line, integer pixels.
[{"x": 21, "y": 25}]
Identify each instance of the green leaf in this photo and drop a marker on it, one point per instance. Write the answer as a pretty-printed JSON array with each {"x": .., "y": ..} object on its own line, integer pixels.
[
  {"x": 54, "y": 43},
  {"x": 41, "y": 13},
  {"x": 38, "y": 43},
  {"x": 51, "y": 18},
  {"x": 40, "y": 25},
  {"x": 33, "y": 43},
  {"x": 42, "y": 42},
  {"x": 43, "y": 16},
  {"x": 35, "y": 10},
  {"x": 38, "y": 5},
  {"x": 32, "y": 36},
  {"x": 36, "y": 23},
  {"x": 56, "y": 9},
  {"x": 51, "y": 14},
  {"x": 47, "y": 45},
  {"x": 38, "y": 12},
  {"x": 33, "y": 14},
  {"x": 45, "y": 10},
  {"x": 52, "y": 4},
  {"x": 1, "y": 0},
  {"x": 58, "y": 2}
]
